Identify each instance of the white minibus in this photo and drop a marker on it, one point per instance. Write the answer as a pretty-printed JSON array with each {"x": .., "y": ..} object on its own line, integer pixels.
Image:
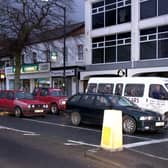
[{"x": 147, "y": 92}]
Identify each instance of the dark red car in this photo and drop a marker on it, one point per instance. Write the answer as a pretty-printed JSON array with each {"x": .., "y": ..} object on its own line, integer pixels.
[
  {"x": 54, "y": 97},
  {"x": 21, "y": 103}
]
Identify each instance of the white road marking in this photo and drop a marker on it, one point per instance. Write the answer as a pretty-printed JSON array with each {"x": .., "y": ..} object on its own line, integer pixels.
[
  {"x": 80, "y": 128},
  {"x": 149, "y": 155},
  {"x": 17, "y": 130},
  {"x": 145, "y": 143}
]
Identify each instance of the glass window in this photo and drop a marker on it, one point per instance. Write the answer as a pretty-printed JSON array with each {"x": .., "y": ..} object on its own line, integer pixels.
[
  {"x": 124, "y": 53},
  {"x": 44, "y": 92},
  {"x": 97, "y": 20},
  {"x": 118, "y": 89},
  {"x": 91, "y": 88},
  {"x": 75, "y": 98},
  {"x": 134, "y": 90},
  {"x": 98, "y": 55},
  {"x": 109, "y": 1},
  {"x": 98, "y": 4},
  {"x": 148, "y": 8},
  {"x": 87, "y": 99},
  {"x": 105, "y": 88},
  {"x": 148, "y": 50},
  {"x": 101, "y": 101},
  {"x": 110, "y": 55},
  {"x": 163, "y": 48},
  {"x": 2, "y": 94},
  {"x": 157, "y": 91},
  {"x": 162, "y": 7},
  {"x": 110, "y": 17},
  {"x": 80, "y": 52},
  {"x": 124, "y": 14}
]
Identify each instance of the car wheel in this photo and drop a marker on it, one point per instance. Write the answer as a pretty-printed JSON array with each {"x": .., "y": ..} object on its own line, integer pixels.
[
  {"x": 75, "y": 118},
  {"x": 18, "y": 112},
  {"x": 129, "y": 125},
  {"x": 54, "y": 109}
]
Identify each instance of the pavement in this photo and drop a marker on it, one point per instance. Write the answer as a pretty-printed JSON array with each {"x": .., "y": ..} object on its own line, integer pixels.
[{"x": 127, "y": 158}]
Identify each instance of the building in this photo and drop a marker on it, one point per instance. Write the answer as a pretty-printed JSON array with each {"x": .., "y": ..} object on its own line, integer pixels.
[
  {"x": 43, "y": 63},
  {"x": 126, "y": 38}
]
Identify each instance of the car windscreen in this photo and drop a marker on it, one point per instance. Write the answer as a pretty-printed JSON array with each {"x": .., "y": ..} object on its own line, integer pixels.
[
  {"x": 121, "y": 101},
  {"x": 56, "y": 93},
  {"x": 23, "y": 95}
]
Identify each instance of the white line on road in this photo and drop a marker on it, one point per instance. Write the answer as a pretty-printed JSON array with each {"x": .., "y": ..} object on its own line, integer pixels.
[{"x": 17, "y": 130}]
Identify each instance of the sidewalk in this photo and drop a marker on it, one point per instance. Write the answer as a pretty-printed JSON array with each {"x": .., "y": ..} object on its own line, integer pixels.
[{"x": 125, "y": 159}]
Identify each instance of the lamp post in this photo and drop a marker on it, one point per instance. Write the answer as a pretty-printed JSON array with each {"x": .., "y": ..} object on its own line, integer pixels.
[{"x": 64, "y": 48}]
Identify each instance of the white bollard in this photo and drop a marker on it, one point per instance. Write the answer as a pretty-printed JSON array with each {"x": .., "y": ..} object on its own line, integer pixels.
[{"x": 112, "y": 136}]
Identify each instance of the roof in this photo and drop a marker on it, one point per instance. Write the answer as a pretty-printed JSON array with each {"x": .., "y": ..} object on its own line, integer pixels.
[{"x": 58, "y": 33}]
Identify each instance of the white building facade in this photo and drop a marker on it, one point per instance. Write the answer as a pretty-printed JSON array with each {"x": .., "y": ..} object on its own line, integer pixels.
[{"x": 126, "y": 37}]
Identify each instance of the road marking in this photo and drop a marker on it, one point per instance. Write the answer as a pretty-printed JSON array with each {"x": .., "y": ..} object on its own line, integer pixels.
[
  {"x": 20, "y": 131},
  {"x": 62, "y": 125},
  {"x": 145, "y": 143},
  {"x": 149, "y": 155}
]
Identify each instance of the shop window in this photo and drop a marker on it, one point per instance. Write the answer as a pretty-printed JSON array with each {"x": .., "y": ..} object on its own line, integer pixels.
[{"x": 134, "y": 90}]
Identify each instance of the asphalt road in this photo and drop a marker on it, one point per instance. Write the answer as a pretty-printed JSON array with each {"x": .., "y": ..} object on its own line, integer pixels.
[{"x": 53, "y": 142}]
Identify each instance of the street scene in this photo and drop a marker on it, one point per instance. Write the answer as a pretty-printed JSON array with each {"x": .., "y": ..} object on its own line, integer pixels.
[{"x": 83, "y": 84}]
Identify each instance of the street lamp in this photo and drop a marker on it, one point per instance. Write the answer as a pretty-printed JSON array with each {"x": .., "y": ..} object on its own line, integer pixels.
[{"x": 64, "y": 51}]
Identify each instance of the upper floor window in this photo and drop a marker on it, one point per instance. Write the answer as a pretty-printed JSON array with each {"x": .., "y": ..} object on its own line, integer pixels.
[
  {"x": 154, "y": 42},
  {"x": 110, "y": 12},
  {"x": 152, "y": 8},
  {"x": 34, "y": 57},
  {"x": 80, "y": 52}
]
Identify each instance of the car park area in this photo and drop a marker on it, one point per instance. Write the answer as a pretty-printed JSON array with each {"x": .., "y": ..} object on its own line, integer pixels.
[{"x": 86, "y": 136}]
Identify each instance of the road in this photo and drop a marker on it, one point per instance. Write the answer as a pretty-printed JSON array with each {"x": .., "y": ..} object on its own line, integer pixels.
[{"x": 53, "y": 142}]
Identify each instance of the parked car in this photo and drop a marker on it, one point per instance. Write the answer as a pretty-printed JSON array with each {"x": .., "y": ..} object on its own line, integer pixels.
[
  {"x": 88, "y": 107},
  {"x": 54, "y": 97},
  {"x": 21, "y": 103}
]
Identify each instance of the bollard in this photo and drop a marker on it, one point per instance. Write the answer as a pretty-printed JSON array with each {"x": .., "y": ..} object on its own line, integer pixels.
[{"x": 112, "y": 137}]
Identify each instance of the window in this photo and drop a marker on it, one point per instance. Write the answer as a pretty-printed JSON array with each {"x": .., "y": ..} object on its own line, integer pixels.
[
  {"x": 101, "y": 101},
  {"x": 110, "y": 12},
  {"x": 152, "y": 8},
  {"x": 134, "y": 90},
  {"x": 91, "y": 88},
  {"x": 44, "y": 92},
  {"x": 10, "y": 95},
  {"x": 34, "y": 57},
  {"x": 47, "y": 55},
  {"x": 118, "y": 89},
  {"x": 80, "y": 52},
  {"x": 75, "y": 98},
  {"x": 105, "y": 88},
  {"x": 2, "y": 94},
  {"x": 112, "y": 48},
  {"x": 157, "y": 91},
  {"x": 87, "y": 99}
]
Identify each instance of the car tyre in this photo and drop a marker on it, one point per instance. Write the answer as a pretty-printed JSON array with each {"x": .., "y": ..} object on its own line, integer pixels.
[
  {"x": 18, "y": 112},
  {"x": 75, "y": 118},
  {"x": 54, "y": 109},
  {"x": 129, "y": 125}
]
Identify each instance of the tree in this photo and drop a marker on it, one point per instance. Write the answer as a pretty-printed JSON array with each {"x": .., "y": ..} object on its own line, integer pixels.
[{"x": 20, "y": 20}]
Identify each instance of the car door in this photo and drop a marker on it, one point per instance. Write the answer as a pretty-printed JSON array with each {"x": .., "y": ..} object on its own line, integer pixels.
[
  {"x": 9, "y": 101},
  {"x": 2, "y": 100}
]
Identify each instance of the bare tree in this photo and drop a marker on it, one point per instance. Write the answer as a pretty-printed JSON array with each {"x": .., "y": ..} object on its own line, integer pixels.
[{"x": 21, "y": 20}]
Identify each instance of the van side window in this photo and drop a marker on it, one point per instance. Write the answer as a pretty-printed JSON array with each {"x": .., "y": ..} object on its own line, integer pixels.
[
  {"x": 134, "y": 90},
  {"x": 91, "y": 88},
  {"x": 105, "y": 88},
  {"x": 118, "y": 89},
  {"x": 157, "y": 91}
]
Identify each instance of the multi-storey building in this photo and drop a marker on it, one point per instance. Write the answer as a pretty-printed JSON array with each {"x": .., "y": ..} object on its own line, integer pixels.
[{"x": 126, "y": 37}]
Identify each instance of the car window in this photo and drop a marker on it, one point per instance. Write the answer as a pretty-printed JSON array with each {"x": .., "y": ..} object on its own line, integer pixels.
[
  {"x": 101, "y": 101},
  {"x": 105, "y": 88},
  {"x": 44, "y": 92},
  {"x": 75, "y": 98},
  {"x": 134, "y": 90},
  {"x": 91, "y": 88},
  {"x": 2, "y": 94},
  {"x": 10, "y": 95},
  {"x": 56, "y": 93},
  {"x": 87, "y": 99},
  {"x": 24, "y": 95}
]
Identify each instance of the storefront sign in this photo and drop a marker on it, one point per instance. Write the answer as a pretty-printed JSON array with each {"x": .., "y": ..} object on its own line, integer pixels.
[{"x": 69, "y": 72}]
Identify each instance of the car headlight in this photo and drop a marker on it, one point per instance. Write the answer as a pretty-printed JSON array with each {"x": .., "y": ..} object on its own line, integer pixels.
[
  {"x": 146, "y": 118},
  {"x": 63, "y": 102},
  {"x": 45, "y": 106},
  {"x": 29, "y": 106},
  {"x": 33, "y": 106}
]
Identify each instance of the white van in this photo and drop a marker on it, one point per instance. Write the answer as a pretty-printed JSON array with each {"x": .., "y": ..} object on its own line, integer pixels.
[{"x": 147, "y": 92}]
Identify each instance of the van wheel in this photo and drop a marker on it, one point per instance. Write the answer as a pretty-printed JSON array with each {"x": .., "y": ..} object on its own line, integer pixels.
[
  {"x": 54, "y": 109},
  {"x": 18, "y": 112},
  {"x": 75, "y": 118},
  {"x": 129, "y": 125}
]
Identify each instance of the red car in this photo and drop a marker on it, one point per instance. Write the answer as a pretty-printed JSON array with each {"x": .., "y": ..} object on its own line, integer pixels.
[
  {"x": 55, "y": 98},
  {"x": 21, "y": 103}
]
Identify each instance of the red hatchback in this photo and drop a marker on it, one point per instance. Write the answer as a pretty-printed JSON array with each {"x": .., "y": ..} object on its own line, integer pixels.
[
  {"x": 55, "y": 98},
  {"x": 20, "y": 104}
]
